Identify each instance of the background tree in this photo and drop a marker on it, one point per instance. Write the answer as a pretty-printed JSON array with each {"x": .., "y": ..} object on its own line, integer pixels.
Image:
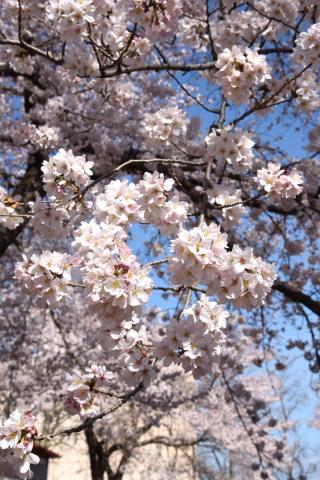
[{"x": 98, "y": 94}]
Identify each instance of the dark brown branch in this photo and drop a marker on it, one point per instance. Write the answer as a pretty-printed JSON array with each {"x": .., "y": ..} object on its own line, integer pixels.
[
  {"x": 297, "y": 296},
  {"x": 268, "y": 51},
  {"x": 176, "y": 444},
  {"x": 92, "y": 420},
  {"x": 30, "y": 183}
]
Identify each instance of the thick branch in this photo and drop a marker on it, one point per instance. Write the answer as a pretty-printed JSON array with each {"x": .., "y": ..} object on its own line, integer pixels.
[
  {"x": 30, "y": 183},
  {"x": 297, "y": 296}
]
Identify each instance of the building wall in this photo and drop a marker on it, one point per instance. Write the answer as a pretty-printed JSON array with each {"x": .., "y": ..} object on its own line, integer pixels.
[
  {"x": 73, "y": 463},
  {"x": 151, "y": 462}
]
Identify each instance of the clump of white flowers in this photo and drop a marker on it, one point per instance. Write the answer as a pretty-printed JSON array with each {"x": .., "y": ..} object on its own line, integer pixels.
[
  {"x": 9, "y": 210},
  {"x": 240, "y": 69},
  {"x": 97, "y": 237},
  {"x": 245, "y": 279},
  {"x": 45, "y": 137},
  {"x": 122, "y": 203},
  {"x": 41, "y": 137},
  {"x": 229, "y": 203},
  {"x": 64, "y": 174},
  {"x": 308, "y": 92},
  {"x": 279, "y": 183},
  {"x": 308, "y": 46},
  {"x": 233, "y": 146},
  {"x": 47, "y": 275},
  {"x": 70, "y": 16},
  {"x": 167, "y": 125},
  {"x": 157, "y": 209},
  {"x": 236, "y": 26},
  {"x": 115, "y": 279},
  {"x": 200, "y": 256},
  {"x": 49, "y": 218},
  {"x": 280, "y": 9},
  {"x": 16, "y": 443},
  {"x": 118, "y": 203},
  {"x": 195, "y": 340},
  {"x": 82, "y": 390},
  {"x": 131, "y": 344},
  {"x": 156, "y": 17},
  {"x": 80, "y": 62}
]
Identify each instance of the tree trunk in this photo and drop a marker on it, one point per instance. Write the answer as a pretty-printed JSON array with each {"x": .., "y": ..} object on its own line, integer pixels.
[
  {"x": 96, "y": 454},
  {"x": 115, "y": 476}
]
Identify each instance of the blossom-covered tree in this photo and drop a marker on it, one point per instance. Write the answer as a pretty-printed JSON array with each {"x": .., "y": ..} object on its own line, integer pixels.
[{"x": 144, "y": 162}]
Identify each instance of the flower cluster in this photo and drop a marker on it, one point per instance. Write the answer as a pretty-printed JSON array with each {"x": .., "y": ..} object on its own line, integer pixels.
[
  {"x": 97, "y": 237},
  {"x": 117, "y": 286},
  {"x": 42, "y": 137},
  {"x": 238, "y": 25},
  {"x": 16, "y": 443},
  {"x": 308, "y": 46},
  {"x": 245, "y": 280},
  {"x": 239, "y": 69},
  {"x": 64, "y": 174},
  {"x": 48, "y": 276},
  {"x": 280, "y": 9},
  {"x": 156, "y": 17},
  {"x": 71, "y": 16},
  {"x": 196, "y": 340},
  {"x": 115, "y": 282},
  {"x": 201, "y": 257},
  {"x": 167, "y": 215},
  {"x": 81, "y": 395},
  {"x": 229, "y": 202},
  {"x": 118, "y": 204},
  {"x": 79, "y": 63},
  {"x": 9, "y": 211},
  {"x": 131, "y": 345},
  {"x": 308, "y": 92},
  {"x": 279, "y": 183},
  {"x": 165, "y": 126},
  {"x": 122, "y": 203},
  {"x": 232, "y": 146},
  {"x": 198, "y": 255},
  {"x": 49, "y": 219}
]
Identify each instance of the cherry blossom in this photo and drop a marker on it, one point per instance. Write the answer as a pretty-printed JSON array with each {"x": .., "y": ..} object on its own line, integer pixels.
[
  {"x": 16, "y": 443},
  {"x": 279, "y": 184},
  {"x": 48, "y": 276},
  {"x": 71, "y": 16},
  {"x": 80, "y": 398},
  {"x": 239, "y": 70},
  {"x": 199, "y": 254},
  {"x": 196, "y": 339},
  {"x": 9, "y": 211},
  {"x": 118, "y": 204},
  {"x": 308, "y": 45},
  {"x": 150, "y": 206},
  {"x": 235, "y": 147},
  {"x": 167, "y": 125},
  {"x": 64, "y": 174},
  {"x": 230, "y": 201},
  {"x": 167, "y": 215}
]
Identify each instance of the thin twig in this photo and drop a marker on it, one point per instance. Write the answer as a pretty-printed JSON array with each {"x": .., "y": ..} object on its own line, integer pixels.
[
  {"x": 90, "y": 421},
  {"x": 142, "y": 160}
]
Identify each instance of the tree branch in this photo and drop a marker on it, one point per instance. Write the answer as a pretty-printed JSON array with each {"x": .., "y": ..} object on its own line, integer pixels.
[
  {"x": 92, "y": 420},
  {"x": 297, "y": 296}
]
